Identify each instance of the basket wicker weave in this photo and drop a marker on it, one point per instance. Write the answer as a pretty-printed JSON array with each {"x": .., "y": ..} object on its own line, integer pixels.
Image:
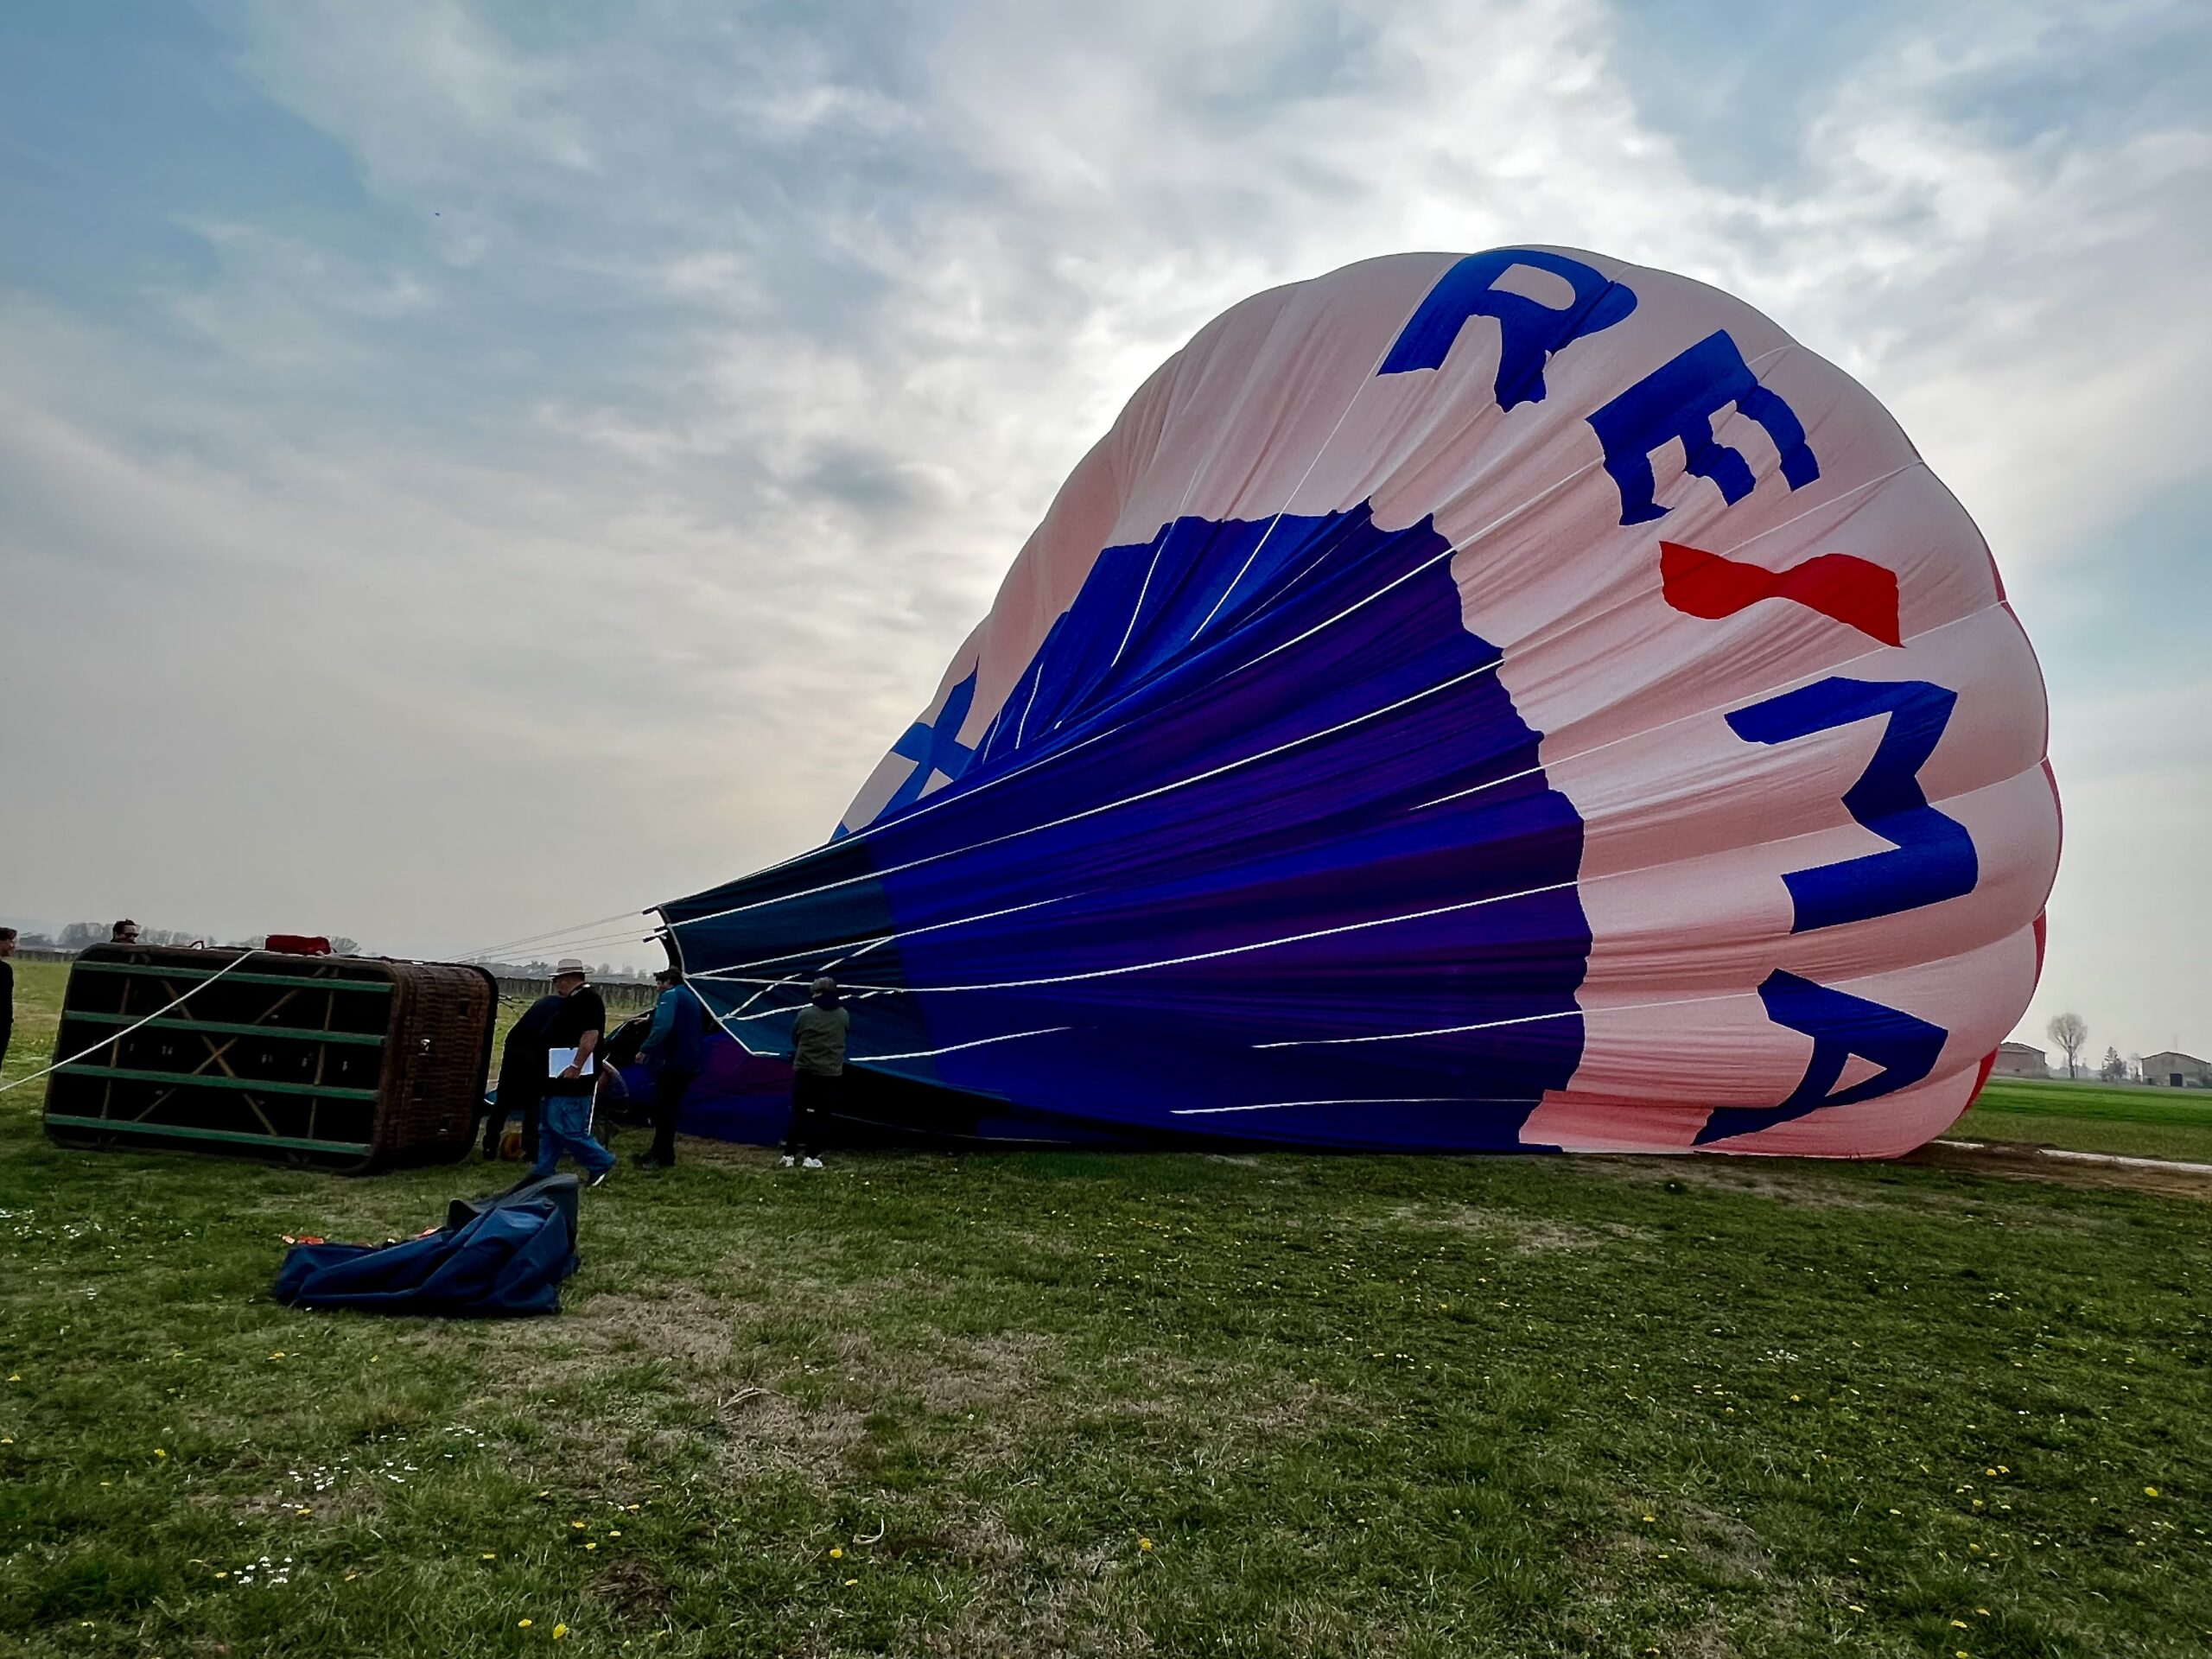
[{"x": 349, "y": 1063}]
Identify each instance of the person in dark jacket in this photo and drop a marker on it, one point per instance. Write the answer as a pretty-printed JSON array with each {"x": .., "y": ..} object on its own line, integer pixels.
[
  {"x": 673, "y": 1054},
  {"x": 7, "y": 991},
  {"x": 521, "y": 1078},
  {"x": 817, "y": 1072}
]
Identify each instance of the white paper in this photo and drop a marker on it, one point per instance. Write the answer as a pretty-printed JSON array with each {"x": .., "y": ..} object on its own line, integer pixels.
[{"x": 558, "y": 1060}]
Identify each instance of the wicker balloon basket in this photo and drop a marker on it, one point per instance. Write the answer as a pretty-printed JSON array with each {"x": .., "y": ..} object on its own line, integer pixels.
[{"x": 348, "y": 1063}]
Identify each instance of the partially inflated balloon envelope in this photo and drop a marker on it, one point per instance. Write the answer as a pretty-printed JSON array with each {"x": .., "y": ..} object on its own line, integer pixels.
[{"x": 1515, "y": 701}]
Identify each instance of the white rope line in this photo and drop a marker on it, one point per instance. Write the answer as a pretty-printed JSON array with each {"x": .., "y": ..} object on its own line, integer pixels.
[
  {"x": 1452, "y": 551},
  {"x": 1259, "y": 944},
  {"x": 733, "y": 975},
  {"x": 1052, "y": 756},
  {"x": 1373, "y": 1100},
  {"x": 954, "y": 1048},
  {"x": 1579, "y": 882},
  {"x": 1225, "y": 950},
  {"x": 1577, "y": 1011},
  {"x": 738, "y": 1013},
  {"x": 116, "y": 1036},
  {"x": 565, "y": 947},
  {"x": 1108, "y": 806},
  {"x": 1366, "y": 381},
  {"x": 736, "y": 970},
  {"x": 1190, "y": 484},
  {"x": 569, "y": 932}
]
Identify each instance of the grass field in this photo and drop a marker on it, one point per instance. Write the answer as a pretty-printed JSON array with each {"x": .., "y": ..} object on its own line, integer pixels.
[
  {"x": 1034, "y": 1404},
  {"x": 2095, "y": 1117}
]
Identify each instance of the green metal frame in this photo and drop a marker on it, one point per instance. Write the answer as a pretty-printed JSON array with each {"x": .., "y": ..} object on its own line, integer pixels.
[
  {"x": 364, "y": 1039},
  {"x": 380, "y": 986},
  {"x": 203, "y": 1080},
  {"x": 127, "y": 1126}
]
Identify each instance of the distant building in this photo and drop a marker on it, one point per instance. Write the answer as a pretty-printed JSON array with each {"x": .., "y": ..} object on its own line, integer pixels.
[
  {"x": 2171, "y": 1071},
  {"x": 2019, "y": 1060}
]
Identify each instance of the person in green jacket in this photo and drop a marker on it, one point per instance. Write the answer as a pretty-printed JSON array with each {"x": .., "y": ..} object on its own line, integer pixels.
[{"x": 817, "y": 1072}]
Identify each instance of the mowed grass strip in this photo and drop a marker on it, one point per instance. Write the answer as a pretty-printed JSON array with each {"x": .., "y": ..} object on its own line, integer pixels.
[
  {"x": 1030, "y": 1404},
  {"x": 2133, "y": 1122}
]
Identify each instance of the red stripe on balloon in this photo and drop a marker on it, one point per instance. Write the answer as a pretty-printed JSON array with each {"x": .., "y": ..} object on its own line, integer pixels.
[
  {"x": 1980, "y": 1081},
  {"x": 1856, "y": 592}
]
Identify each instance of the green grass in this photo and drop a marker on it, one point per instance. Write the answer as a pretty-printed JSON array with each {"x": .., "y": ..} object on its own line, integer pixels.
[
  {"x": 2094, "y": 1118},
  {"x": 1355, "y": 1406},
  {"x": 38, "y": 1010}
]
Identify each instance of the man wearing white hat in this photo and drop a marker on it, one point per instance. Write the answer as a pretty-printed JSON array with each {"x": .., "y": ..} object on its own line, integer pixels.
[{"x": 571, "y": 1073}]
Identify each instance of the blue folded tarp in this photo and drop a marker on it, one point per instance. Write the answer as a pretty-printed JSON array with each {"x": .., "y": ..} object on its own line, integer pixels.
[{"x": 496, "y": 1256}]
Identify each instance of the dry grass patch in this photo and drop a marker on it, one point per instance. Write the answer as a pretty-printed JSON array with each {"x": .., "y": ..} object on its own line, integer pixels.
[
  {"x": 1530, "y": 1235},
  {"x": 1802, "y": 1184}
]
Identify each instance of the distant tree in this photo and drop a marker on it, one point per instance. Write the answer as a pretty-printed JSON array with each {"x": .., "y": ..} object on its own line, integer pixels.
[
  {"x": 36, "y": 939},
  {"x": 77, "y": 935},
  {"x": 2070, "y": 1032},
  {"x": 2114, "y": 1070},
  {"x": 344, "y": 946}
]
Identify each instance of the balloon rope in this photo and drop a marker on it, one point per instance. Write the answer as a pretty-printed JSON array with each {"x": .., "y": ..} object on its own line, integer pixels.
[
  {"x": 569, "y": 932},
  {"x": 118, "y": 1036},
  {"x": 571, "y": 942}
]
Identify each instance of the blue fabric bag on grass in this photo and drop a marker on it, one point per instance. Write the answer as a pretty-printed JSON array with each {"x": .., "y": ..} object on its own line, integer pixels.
[{"x": 494, "y": 1257}]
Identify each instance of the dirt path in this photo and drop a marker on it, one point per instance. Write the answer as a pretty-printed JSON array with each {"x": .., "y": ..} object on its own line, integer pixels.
[{"x": 2019, "y": 1161}]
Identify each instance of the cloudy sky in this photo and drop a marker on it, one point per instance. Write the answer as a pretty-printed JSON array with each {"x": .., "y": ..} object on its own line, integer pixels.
[{"x": 466, "y": 471}]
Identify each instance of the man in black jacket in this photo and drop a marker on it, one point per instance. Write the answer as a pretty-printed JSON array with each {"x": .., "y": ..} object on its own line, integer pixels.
[
  {"x": 7, "y": 991},
  {"x": 521, "y": 1078}
]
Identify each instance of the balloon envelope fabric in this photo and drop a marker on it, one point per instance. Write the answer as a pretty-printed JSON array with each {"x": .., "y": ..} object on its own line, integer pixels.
[{"x": 1509, "y": 700}]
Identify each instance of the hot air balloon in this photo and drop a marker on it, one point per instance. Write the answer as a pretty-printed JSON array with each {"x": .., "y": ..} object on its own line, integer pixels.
[{"x": 1515, "y": 701}]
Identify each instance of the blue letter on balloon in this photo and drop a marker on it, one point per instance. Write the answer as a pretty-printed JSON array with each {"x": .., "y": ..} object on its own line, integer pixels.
[
  {"x": 1529, "y": 332},
  {"x": 1933, "y": 856},
  {"x": 1840, "y": 1025},
  {"x": 1679, "y": 400}
]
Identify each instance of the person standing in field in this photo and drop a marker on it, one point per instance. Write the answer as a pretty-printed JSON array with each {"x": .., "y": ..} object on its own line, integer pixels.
[
  {"x": 674, "y": 1053},
  {"x": 817, "y": 1072},
  {"x": 571, "y": 1037},
  {"x": 7, "y": 991},
  {"x": 521, "y": 1084}
]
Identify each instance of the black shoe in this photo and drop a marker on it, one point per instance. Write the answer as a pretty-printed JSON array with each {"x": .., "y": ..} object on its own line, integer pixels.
[
  {"x": 600, "y": 1180},
  {"x": 490, "y": 1154}
]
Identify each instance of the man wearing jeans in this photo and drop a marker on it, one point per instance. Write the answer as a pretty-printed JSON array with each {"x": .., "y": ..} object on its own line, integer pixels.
[
  {"x": 817, "y": 1071},
  {"x": 564, "y": 1124}
]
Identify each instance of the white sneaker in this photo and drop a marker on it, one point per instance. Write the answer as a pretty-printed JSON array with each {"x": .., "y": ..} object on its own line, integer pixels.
[
  {"x": 787, "y": 1161},
  {"x": 810, "y": 1163}
]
